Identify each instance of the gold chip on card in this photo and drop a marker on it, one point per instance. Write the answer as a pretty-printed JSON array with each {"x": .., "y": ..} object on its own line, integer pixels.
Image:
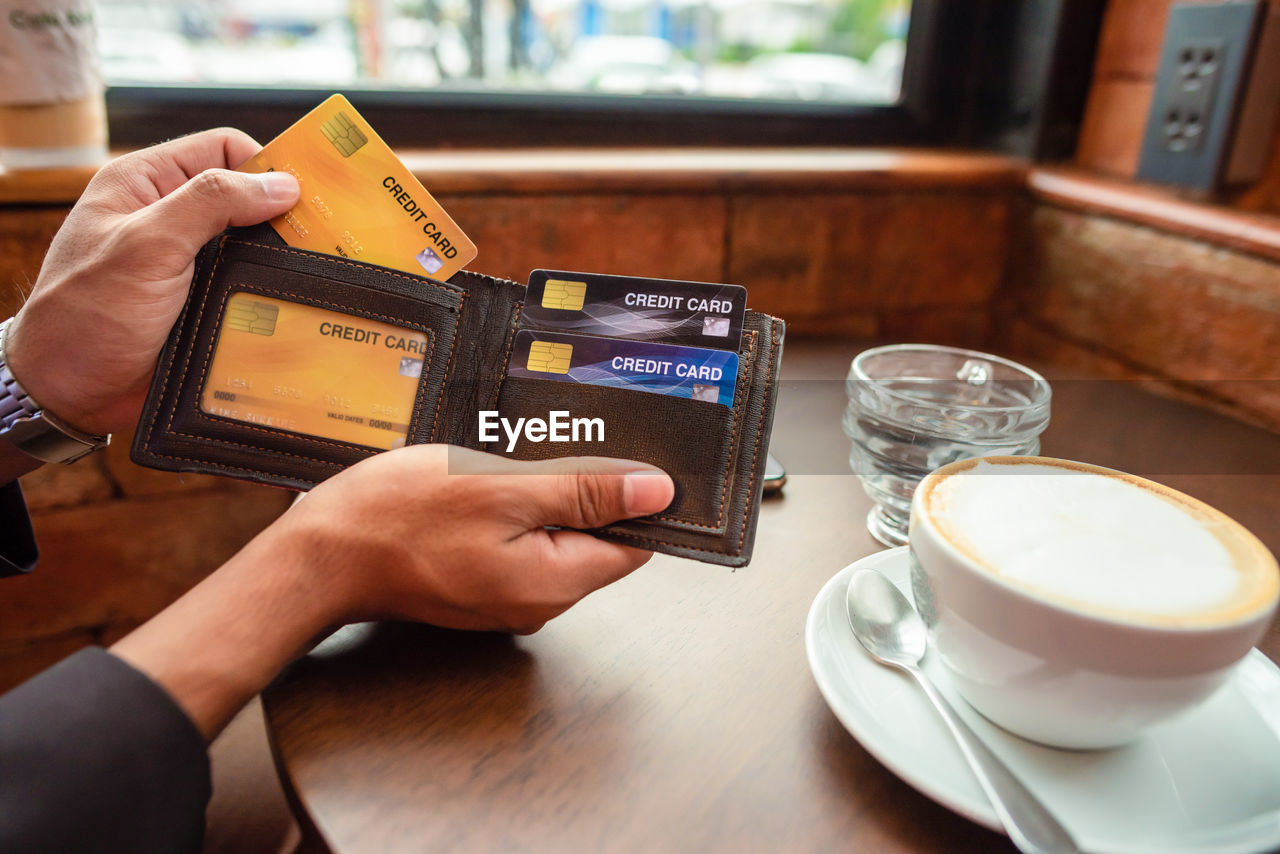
[
  {"x": 257, "y": 318},
  {"x": 549, "y": 357},
  {"x": 562, "y": 294},
  {"x": 344, "y": 134}
]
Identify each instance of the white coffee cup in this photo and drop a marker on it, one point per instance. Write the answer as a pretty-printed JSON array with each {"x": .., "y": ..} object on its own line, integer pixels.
[{"x": 1075, "y": 605}]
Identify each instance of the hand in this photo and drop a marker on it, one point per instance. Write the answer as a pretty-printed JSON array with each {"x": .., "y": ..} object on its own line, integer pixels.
[
  {"x": 117, "y": 274},
  {"x": 432, "y": 533},
  {"x": 459, "y": 539}
]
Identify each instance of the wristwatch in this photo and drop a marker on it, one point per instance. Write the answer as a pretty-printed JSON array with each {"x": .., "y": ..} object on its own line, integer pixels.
[{"x": 31, "y": 429}]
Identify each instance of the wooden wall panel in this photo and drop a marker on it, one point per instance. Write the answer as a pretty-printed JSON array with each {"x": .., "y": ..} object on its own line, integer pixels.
[
  {"x": 819, "y": 260},
  {"x": 1129, "y": 45},
  {"x": 1115, "y": 119},
  {"x": 1155, "y": 304},
  {"x": 25, "y": 233},
  {"x": 662, "y": 236},
  {"x": 112, "y": 562}
]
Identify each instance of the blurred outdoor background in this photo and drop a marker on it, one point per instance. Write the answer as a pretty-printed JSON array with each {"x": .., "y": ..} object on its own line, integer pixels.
[{"x": 847, "y": 51}]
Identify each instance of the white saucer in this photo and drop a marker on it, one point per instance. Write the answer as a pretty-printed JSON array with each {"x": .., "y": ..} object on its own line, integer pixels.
[{"x": 1207, "y": 781}]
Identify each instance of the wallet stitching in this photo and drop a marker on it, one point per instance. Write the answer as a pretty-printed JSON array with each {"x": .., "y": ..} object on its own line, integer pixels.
[
  {"x": 263, "y": 472},
  {"x": 448, "y": 366},
  {"x": 506, "y": 355},
  {"x": 733, "y": 438},
  {"x": 187, "y": 360},
  {"x": 640, "y": 538},
  {"x": 755, "y": 454},
  {"x": 751, "y": 484},
  {"x": 453, "y": 342},
  {"x": 359, "y": 266},
  {"x": 208, "y": 358},
  {"x": 186, "y": 365}
]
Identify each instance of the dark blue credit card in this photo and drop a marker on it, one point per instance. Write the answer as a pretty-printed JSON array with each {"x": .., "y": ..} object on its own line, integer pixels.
[
  {"x": 696, "y": 373},
  {"x": 664, "y": 311}
]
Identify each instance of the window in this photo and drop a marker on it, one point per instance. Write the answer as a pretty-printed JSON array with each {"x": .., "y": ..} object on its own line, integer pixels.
[
  {"x": 506, "y": 73},
  {"x": 843, "y": 51}
]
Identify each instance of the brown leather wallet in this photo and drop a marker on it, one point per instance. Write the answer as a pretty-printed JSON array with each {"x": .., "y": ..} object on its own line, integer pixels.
[{"x": 715, "y": 454}]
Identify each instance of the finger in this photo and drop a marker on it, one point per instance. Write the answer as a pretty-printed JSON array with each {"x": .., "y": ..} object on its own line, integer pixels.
[
  {"x": 587, "y": 492},
  {"x": 155, "y": 172},
  {"x": 186, "y": 157},
  {"x": 191, "y": 215},
  {"x": 592, "y": 563},
  {"x": 572, "y": 564}
]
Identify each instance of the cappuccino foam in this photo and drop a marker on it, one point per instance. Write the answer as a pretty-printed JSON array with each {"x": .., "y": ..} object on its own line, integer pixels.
[{"x": 1103, "y": 542}]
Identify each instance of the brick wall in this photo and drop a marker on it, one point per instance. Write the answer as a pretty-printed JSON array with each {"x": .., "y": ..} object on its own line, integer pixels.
[{"x": 1120, "y": 299}]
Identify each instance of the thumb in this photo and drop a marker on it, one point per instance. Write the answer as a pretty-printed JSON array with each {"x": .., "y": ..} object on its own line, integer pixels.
[
  {"x": 202, "y": 207},
  {"x": 587, "y": 492}
]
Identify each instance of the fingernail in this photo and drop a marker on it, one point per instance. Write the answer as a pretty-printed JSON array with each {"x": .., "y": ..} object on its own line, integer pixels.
[
  {"x": 279, "y": 186},
  {"x": 647, "y": 491}
]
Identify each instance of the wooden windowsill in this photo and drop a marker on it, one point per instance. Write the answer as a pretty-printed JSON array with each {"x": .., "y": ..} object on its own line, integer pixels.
[
  {"x": 1258, "y": 234},
  {"x": 718, "y": 170},
  {"x": 646, "y": 170},
  {"x": 44, "y": 186},
  {"x": 710, "y": 169}
]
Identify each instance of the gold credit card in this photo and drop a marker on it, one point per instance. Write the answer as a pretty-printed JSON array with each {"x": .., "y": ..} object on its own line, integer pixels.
[
  {"x": 313, "y": 371},
  {"x": 358, "y": 200}
]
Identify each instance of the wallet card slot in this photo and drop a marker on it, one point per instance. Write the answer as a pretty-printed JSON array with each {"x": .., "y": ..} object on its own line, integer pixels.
[
  {"x": 178, "y": 434},
  {"x": 694, "y": 441}
]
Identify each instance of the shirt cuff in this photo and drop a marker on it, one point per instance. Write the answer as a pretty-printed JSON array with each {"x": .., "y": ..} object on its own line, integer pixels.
[
  {"x": 18, "y": 552},
  {"x": 96, "y": 756}
]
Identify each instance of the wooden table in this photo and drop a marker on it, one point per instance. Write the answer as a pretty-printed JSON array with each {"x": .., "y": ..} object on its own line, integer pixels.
[{"x": 675, "y": 711}]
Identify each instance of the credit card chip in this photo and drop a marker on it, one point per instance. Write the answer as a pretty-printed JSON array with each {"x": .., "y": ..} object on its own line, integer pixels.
[
  {"x": 344, "y": 134},
  {"x": 549, "y": 357},
  {"x": 565, "y": 295},
  {"x": 258, "y": 318}
]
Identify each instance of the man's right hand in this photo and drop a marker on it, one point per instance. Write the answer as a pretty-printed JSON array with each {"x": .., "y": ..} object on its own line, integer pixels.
[
  {"x": 443, "y": 535},
  {"x": 460, "y": 539}
]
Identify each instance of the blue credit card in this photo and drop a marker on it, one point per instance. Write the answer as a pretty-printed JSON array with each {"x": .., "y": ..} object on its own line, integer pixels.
[{"x": 696, "y": 373}]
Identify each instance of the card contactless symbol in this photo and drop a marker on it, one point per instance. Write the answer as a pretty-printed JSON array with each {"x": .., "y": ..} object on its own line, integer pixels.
[
  {"x": 258, "y": 318},
  {"x": 716, "y": 327},
  {"x": 549, "y": 357},
  {"x": 565, "y": 295},
  {"x": 430, "y": 261},
  {"x": 344, "y": 134}
]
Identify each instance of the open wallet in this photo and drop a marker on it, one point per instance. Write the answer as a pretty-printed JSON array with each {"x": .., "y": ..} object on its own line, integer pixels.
[{"x": 460, "y": 335}]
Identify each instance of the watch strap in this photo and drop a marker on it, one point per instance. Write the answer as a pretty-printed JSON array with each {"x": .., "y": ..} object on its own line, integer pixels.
[{"x": 31, "y": 429}]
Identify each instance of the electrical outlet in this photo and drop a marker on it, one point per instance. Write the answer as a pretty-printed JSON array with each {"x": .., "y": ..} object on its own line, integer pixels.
[
  {"x": 1204, "y": 67},
  {"x": 1191, "y": 99}
]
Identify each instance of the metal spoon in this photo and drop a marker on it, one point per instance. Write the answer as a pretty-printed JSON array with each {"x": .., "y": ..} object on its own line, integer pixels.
[{"x": 889, "y": 627}]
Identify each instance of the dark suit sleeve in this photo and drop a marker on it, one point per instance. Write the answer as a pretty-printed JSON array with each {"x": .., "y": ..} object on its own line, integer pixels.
[
  {"x": 18, "y": 551},
  {"x": 94, "y": 756}
]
